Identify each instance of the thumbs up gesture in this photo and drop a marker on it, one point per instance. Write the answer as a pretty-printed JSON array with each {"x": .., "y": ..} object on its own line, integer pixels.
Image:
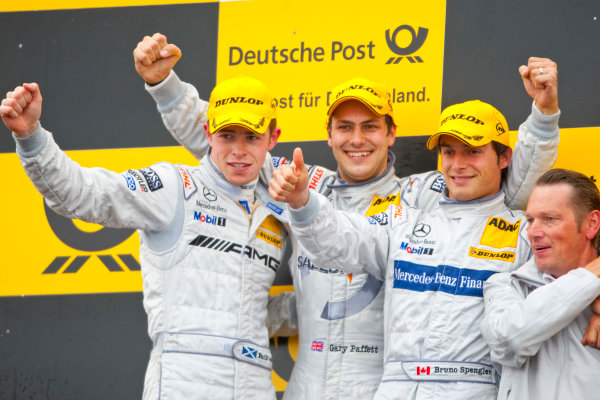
[{"x": 290, "y": 182}]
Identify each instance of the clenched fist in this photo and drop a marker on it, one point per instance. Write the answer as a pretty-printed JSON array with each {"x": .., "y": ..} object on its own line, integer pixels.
[
  {"x": 154, "y": 58},
  {"x": 540, "y": 78},
  {"x": 21, "y": 109}
]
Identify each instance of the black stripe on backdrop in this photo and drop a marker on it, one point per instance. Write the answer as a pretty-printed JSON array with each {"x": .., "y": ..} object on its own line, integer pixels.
[
  {"x": 486, "y": 42},
  {"x": 82, "y": 59}
]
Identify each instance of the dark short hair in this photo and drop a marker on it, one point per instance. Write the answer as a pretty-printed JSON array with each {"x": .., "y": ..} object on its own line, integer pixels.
[
  {"x": 273, "y": 124},
  {"x": 585, "y": 196},
  {"x": 389, "y": 122},
  {"x": 501, "y": 150}
]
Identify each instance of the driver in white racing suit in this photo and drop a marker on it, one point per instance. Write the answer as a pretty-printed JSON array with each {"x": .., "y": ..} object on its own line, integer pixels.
[
  {"x": 340, "y": 316},
  {"x": 209, "y": 249},
  {"x": 433, "y": 263}
]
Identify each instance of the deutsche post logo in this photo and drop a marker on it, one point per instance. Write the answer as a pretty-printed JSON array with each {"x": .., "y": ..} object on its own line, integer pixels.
[
  {"x": 417, "y": 40},
  {"x": 98, "y": 241}
]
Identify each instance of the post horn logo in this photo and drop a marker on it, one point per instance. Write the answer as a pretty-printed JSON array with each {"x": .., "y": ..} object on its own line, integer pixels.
[
  {"x": 415, "y": 44},
  {"x": 102, "y": 240}
]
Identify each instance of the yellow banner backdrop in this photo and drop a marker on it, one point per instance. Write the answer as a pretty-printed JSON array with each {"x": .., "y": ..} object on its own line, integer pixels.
[{"x": 301, "y": 50}]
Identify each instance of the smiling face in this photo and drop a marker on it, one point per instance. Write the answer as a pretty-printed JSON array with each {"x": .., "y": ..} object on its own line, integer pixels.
[
  {"x": 360, "y": 141},
  {"x": 471, "y": 172},
  {"x": 559, "y": 244},
  {"x": 240, "y": 153}
]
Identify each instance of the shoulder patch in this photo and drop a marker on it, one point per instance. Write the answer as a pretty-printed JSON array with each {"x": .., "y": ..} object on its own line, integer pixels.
[
  {"x": 129, "y": 179},
  {"x": 274, "y": 208},
  {"x": 397, "y": 212},
  {"x": 189, "y": 187},
  {"x": 315, "y": 177},
  {"x": 499, "y": 233},
  {"x": 381, "y": 218},
  {"x": 152, "y": 178},
  {"x": 380, "y": 204},
  {"x": 278, "y": 161},
  {"x": 438, "y": 184},
  {"x": 507, "y": 256},
  {"x": 139, "y": 178},
  {"x": 270, "y": 231}
]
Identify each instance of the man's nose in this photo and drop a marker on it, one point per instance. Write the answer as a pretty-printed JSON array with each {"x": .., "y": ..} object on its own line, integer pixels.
[
  {"x": 240, "y": 146},
  {"x": 357, "y": 137}
]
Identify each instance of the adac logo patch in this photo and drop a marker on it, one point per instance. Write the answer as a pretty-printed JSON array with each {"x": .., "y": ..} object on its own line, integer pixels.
[
  {"x": 380, "y": 204},
  {"x": 499, "y": 233},
  {"x": 416, "y": 42},
  {"x": 507, "y": 256}
]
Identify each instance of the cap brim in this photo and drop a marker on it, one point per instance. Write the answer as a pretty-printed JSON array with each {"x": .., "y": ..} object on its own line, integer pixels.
[
  {"x": 342, "y": 99},
  {"x": 258, "y": 125},
  {"x": 434, "y": 139}
]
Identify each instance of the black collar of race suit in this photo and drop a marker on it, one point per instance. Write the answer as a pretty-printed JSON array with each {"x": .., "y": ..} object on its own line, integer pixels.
[{"x": 339, "y": 182}]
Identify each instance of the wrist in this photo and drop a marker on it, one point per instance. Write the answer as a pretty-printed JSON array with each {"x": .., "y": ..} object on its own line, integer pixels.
[
  {"x": 301, "y": 202},
  {"x": 549, "y": 110},
  {"x": 155, "y": 82},
  {"x": 24, "y": 134}
]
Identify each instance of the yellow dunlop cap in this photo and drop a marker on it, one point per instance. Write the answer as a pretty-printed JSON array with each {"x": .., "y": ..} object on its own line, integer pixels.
[
  {"x": 242, "y": 101},
  {"x": 372, "y": 94},
  {"x": 474, "y": 122}
]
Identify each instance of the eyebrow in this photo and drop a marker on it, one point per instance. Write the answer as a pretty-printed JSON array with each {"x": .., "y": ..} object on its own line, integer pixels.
[{"x": 369, "y": 121}]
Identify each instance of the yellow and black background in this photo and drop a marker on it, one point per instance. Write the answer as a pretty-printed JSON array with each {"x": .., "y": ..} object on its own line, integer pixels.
[{"x": 72, "y": 324}]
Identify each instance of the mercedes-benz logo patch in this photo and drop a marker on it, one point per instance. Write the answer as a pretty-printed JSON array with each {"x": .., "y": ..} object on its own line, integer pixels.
[
  {"x": 209, "y": 194},
  {"x": 421, "y": 230}
]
